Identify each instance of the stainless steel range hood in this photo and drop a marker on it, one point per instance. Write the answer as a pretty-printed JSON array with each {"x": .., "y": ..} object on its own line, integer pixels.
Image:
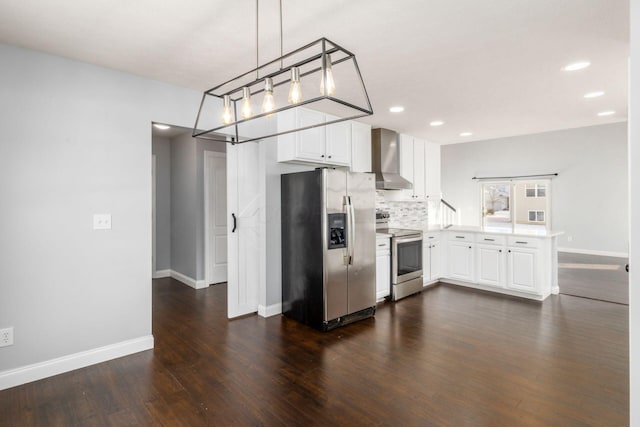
[{"x": 385, "y": 149}]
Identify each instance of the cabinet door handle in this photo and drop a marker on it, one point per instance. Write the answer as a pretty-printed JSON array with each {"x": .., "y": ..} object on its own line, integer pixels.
[
  {"x": 469, "y": 247},
  {"x": 509, "y": 250},
  {"x": 500, "y": 250},
  {"x": 234, "y": 223},
  {"x": 322, "y": 155},
  {"x": 459, "y": 237},
  {"x": 329, "y": 156},
  {"x": 489, "y": 240},
  {"x": 522, "y": 243}
]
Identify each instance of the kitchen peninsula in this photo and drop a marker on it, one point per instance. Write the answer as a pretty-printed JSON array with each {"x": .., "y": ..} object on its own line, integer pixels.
[{"x": 521, "y": 262}]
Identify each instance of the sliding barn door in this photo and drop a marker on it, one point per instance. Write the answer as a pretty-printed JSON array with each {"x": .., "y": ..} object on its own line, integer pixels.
[{"x": 243, "y": 210}]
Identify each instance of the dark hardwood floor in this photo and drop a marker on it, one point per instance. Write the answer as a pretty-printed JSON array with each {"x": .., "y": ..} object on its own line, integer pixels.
[
  {"x": 446, "y": 357},
  {"x": 592, "y": 276}
]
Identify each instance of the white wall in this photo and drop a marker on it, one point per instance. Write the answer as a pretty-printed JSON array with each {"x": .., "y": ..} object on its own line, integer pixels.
[
  {"x": 634, "y": 193},
  {"x": 588, "y": 198},
  {"x": 161, "y": 147},
  {"x": 76, "y": 140}
]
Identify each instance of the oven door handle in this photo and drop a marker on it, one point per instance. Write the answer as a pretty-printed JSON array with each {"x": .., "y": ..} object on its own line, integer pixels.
[{"x": 408, "y": 239}]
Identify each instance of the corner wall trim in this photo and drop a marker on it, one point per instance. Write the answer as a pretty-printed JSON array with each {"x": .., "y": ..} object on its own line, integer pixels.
[
  {"x": 270, "y": 310},
  {"x": 49, "y": 368},
  {"x": 189, "y": 281},
  {"x": 161, "y": 274},
  {"x": 592, "y": 252}
]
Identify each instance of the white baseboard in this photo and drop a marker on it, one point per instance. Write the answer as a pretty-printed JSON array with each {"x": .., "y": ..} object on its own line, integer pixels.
[
  {"x": 592, "y": 252},
  {"x": 195, "y": 284},
  {"x": 49, "y": 368},
  {"x": 270, "y": 310},
  {"x": 160, "y": 274}
]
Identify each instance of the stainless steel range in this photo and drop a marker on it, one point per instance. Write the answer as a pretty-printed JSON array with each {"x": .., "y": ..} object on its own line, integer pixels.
[{"x": 406, "y": 259}]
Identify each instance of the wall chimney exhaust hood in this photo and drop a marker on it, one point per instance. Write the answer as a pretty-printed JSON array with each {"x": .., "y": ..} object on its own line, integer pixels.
[{"x": 385, "y": 149}]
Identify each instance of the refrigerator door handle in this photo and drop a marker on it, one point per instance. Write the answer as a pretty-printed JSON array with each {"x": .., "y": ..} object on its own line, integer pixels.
[{"x": 351, "y": 244}]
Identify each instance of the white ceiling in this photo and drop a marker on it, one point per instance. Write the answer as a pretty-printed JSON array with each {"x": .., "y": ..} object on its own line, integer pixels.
[{"x": 489, "y": 67}]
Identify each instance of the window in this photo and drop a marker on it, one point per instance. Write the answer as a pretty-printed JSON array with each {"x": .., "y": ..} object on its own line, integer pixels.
[
  {"x": 536, "y": 216},
  {"x": 536, "y": 190},
  {"x": 516, "y": 205}
]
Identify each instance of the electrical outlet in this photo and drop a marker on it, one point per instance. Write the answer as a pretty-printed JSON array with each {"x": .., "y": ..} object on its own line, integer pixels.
[
  {"x": 6, "y": 337},
  {"x": 102, "y": 221}
]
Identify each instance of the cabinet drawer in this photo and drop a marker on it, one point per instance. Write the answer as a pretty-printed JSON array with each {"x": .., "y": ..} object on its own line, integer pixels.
[
  {"x": 460, "y": 237},
  {"x": 491, "y": 239},
  {"x": 430, "y": 237},
  {"x": 524, "y": 242},
  {"x": 383, "y": 244}
]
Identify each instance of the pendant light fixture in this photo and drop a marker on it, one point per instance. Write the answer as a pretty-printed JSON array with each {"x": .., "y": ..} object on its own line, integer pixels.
[
  {"x": 295, "y": 90},
  {"x": 327, "y": 76},
  {"x": 315, "y": 61},
  {"x": 268, "y": 102},
  {"x": 227, "y": 115},
  {"x": 247, "y": 110}
]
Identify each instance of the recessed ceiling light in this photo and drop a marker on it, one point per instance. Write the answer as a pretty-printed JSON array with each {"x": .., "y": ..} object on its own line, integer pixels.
[
  {"x": 161, "y": 127},
  {"x": 396, "y": 109},
  {"x": 437, "y": 123},
  {"x": 606, "y": 113},
  {"x": 466, "y": 134},
  {"x": 577, "y": 66},
  {"x": 594, "y": 94}
]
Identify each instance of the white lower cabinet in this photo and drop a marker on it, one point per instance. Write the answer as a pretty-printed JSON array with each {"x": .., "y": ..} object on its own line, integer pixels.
[
  {"x": 490, "y": 265},
  {"x": 515, "y": 265},
  {"x": 460, "y": 260},
  {"x": 431, "y": 261},
  {"x": 383, "y": 267},
  {"x": 523, "y": 270}
]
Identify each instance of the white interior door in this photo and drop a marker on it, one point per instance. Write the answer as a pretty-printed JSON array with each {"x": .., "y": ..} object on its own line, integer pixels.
[
  {"x": 216, "y": 216},
  {"x": 243, "y": 214}
]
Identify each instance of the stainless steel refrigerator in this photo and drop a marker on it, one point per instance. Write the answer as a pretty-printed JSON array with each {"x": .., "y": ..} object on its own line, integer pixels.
[{"x": 328, "y": 247}]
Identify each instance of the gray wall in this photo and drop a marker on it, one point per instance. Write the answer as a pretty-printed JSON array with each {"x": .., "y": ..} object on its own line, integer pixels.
[
  {"x": 588, "y": 198},
  {"x": 84, "y": 289},
  {"x": 183, "y": 205},
  {"x": 161, "y": 147}
]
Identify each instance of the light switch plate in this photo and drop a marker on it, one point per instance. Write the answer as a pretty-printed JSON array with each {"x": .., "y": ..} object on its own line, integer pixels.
[{"x": 102, "y": 221}]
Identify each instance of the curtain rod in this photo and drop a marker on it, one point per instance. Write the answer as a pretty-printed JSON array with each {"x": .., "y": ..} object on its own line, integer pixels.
[{"x": 513, "y": 177}]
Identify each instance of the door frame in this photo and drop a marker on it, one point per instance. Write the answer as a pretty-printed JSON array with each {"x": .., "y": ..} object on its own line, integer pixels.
[
  {"x": 154, "y": 172},
  {"x": 207, "y": 210}
]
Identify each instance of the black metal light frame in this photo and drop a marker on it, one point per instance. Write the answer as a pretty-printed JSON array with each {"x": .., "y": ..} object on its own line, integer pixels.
[{"x": 327, "y": 48}]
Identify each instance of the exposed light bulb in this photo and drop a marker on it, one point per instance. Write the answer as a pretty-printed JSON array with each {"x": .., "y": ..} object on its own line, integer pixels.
[
  {"x": 227, "y": 115},
  {"x": 295, "y": 91},
  {"x": 247, "y": 111},
  {"x": 327, "y": 76},
  {"x": 268, "y": 102}
]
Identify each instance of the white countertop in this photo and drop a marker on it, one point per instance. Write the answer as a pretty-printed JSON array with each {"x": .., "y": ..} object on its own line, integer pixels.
[{"x": 518, "y": 231}]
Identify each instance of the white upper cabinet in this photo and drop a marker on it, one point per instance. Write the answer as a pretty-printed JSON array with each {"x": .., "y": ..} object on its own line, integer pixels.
[
  {"x": 360, "y": 147},
  {"x": 412, "y": 166},
  {"x": 310, "y": 143},
  {"x": 330, "y": 145},
  {"x": 338, "y": 146}
]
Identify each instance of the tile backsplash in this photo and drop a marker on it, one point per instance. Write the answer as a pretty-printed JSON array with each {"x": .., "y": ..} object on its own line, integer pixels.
[{"x": 404, "y": 214}]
